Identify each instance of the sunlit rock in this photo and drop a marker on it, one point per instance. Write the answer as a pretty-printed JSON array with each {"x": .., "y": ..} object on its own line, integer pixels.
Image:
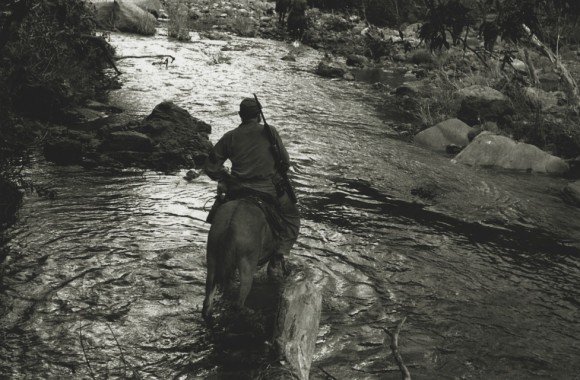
[
  {"x": 151, "y": 6},
  {"x": 492, "y": 150},
  {"x": 452, "y": 132},
  {"x": 124, "y": 16},
  {"x": 330, "y": 69}
]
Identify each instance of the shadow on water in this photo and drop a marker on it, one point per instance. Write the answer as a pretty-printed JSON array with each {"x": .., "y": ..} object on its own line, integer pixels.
[{"x": 360, "y": 195}]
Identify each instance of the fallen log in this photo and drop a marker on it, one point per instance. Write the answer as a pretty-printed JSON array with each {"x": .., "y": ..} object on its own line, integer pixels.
[{"x": 296, "y": 326}]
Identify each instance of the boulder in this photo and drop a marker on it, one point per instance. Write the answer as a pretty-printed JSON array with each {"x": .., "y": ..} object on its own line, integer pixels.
[
  {"x": 520, "y": 66},
  {"x": 151, "y": 6},
  {"x": 412, "y": 89},
  {"x": 571, "y": 193},
  {"x": 174, "y": 130},
  {"x": 440, "y": 136},
  {"x": 330, "y": 70},
  {"x": 357, "y": 60},
  {"x": 124, "y": 16},
  {"x": 492, "y": 150},
  {"x": 481, "y": 103},
  {"x": 167, "y": 116}
]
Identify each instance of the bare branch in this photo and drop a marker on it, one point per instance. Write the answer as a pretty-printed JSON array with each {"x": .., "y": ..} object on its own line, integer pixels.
[
  {"x": 146, "y": 56},
  {"x": 406, "y": 375}
]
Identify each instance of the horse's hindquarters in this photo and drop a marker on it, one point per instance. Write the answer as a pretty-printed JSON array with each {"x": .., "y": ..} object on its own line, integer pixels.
[{"x": 239, "y": 238}]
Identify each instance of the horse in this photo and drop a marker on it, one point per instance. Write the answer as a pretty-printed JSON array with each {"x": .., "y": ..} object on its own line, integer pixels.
[
  {"x": 297, "y": 22},
  {"x": 282, "y": 7},
  {"x": 240, "y": 238}
]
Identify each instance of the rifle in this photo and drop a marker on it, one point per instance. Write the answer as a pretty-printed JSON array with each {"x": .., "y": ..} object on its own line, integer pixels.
[{"x": 281, "y": 166}]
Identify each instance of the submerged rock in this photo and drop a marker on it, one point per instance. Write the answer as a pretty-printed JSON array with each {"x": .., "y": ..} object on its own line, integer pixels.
[{"x": 168, "y": 139}]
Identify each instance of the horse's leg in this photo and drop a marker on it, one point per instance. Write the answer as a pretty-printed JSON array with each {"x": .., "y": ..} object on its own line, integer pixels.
[
  {"x": 210, "y": 287},
  {"x": 246, "y": 278}
]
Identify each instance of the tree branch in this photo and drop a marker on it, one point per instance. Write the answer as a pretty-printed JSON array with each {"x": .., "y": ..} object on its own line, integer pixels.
[
  {"x": 406, "y": 375},
  {"x": 146, "y": 56}
]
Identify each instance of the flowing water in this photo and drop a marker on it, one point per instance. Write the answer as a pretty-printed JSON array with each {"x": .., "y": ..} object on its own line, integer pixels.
[{"x": 106, "y": 280}]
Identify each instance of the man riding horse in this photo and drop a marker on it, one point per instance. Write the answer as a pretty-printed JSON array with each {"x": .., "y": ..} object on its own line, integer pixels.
[{"x": 256, "y": 170}]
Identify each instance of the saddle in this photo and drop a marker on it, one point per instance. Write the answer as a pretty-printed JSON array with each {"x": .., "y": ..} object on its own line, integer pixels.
[{"x": 266, "y": 202}]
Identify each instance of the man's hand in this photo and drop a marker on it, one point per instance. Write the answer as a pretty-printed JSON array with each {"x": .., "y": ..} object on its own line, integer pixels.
[{"x": 222, "y": 189}]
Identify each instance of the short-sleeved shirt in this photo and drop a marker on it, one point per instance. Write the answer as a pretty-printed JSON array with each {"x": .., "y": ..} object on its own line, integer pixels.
[{"x": 249, "y": 150}]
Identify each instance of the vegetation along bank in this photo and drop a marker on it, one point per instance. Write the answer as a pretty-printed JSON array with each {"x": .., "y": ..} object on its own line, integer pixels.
[{"x": 507, "y": 68}]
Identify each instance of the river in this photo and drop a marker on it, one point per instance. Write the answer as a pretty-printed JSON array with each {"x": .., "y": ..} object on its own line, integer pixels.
[{"x": 106, "y": 280}]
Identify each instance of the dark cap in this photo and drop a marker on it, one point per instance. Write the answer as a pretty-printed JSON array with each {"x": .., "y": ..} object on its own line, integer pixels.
[{"x": 249, "y": 108}]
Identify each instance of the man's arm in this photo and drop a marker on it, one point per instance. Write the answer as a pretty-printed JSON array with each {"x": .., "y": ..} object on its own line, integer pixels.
[{"x": 214, "y": 164}]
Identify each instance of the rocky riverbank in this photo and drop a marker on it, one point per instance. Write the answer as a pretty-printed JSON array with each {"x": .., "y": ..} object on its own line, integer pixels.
[{"x": 454, "y": 85}]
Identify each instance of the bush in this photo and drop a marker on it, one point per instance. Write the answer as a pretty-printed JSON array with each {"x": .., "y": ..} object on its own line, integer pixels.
[
  {"x": 49, "y": 52},
  {"x": 54, "y": 48}
]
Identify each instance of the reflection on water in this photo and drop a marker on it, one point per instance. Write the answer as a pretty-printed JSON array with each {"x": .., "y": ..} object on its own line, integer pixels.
[{"x": 106, "y": 281}]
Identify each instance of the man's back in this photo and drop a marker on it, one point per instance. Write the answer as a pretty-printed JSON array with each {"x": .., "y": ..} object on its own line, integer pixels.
[{"x": 248, "y": 148}]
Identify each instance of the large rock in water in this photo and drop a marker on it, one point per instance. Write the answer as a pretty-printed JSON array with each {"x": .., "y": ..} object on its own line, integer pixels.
[
  {"x": 480, "y": 104},
  {"x": 443, "y": 134},
  {"x": 168, "y": 139},
  {"x": 499, "y": 151},
  {"x": 174, "y": 130},
  {"x": 125, "y": 16}
]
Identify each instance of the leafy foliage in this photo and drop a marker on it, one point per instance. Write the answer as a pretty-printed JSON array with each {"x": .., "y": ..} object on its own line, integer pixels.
[
  {"x": 451, "y": 18},
  {"x": 52, "y": 46},
  {"x": 547, "y": 19},
  {"x": 377, "y": 12},
  {"x": 48, "y": 45}
]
